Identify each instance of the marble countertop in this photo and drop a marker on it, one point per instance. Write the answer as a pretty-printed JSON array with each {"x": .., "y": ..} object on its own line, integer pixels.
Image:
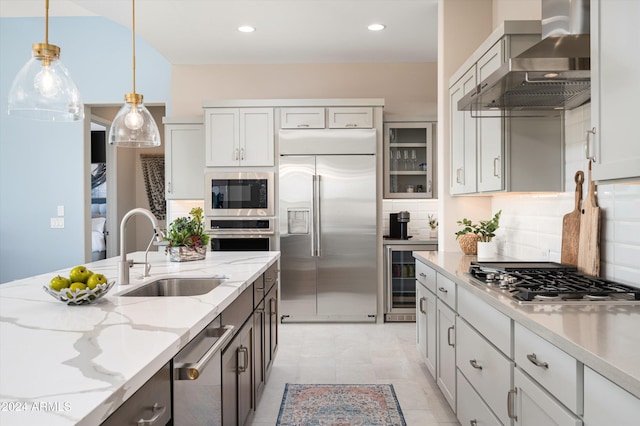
[
  {"x": 603, "y": 337},
  {"x": 62, "y": 365}
]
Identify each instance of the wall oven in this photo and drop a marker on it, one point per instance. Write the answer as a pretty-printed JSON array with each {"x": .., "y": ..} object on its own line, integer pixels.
[
  {"x": 239, "y": 194},
  {"x": 241, "y": 234}
]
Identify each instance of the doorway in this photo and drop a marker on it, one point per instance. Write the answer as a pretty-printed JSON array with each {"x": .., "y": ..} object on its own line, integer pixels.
[{"x": 99, "y": 192}]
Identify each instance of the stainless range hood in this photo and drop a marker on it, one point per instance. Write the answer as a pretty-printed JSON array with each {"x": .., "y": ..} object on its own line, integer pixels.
[{"x": 553, "y": 74}]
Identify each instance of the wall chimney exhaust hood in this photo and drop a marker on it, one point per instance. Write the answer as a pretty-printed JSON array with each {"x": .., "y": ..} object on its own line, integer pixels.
[{"x": 553, "y": 74}]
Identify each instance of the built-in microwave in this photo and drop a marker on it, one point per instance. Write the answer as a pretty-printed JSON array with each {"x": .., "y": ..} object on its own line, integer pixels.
[{"x": 239, "y": 194}]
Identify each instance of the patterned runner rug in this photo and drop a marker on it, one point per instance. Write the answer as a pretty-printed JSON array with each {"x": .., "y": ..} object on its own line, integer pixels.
[{"x": 340, "y": 405}]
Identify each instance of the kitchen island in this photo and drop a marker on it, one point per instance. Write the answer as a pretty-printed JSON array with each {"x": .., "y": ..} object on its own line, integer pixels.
[
  {"x": 62, "y": 365},
  {"x": 599, "y": 337}
]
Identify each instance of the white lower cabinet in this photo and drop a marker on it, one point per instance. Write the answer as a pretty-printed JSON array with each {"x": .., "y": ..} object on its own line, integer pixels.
[
  {"x": 426, "y": 326},
  {"x": 488, "y": 370},
  {"x": 607, "y": 404},
  {"x": 472, "y": 410},
  {"x": 446, "y": 352},
  {"x": 554, "y": 369},
  {"x": 530, "y": 405}
]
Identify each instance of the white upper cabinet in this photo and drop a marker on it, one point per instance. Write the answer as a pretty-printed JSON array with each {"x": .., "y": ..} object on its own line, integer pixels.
[
  {"x": 614, "y": 145},
  {"x": 239, "y": 137},
  {"x": 463, "y": 138},
  {"x": 302, "y": 118},
  {"x": 184, "y": 159},
  {"x": 350, "y": 117}
]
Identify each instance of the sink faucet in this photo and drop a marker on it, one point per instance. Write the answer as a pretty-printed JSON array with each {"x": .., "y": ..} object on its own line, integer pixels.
[{"x": 124, "y": 264}]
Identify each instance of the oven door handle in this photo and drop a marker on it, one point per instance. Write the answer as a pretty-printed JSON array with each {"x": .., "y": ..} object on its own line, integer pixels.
[{"x": 191, "y": 371}]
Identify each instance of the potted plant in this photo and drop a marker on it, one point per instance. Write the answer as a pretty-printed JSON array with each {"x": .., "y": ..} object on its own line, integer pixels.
[
  {"x": 474, "y": 233},
  {"x": 186, "y": 237},
  {"x": 433, "y": 224}
]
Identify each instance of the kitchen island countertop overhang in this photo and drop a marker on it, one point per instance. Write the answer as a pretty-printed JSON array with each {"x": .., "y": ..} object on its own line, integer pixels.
[
  {"x": 62, "y": 364},
  {"x": 603, "y": 337}
]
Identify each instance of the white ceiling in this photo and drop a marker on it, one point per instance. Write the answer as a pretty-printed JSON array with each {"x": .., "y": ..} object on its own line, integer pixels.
[{"x": 288, "y": 31}]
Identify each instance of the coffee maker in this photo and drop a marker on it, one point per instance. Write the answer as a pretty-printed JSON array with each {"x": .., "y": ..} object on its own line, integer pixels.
[{"x": 398, "y": 224}]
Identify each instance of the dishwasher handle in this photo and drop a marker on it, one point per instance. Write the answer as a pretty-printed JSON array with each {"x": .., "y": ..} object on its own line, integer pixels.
[{"x": 191, "y": 371}]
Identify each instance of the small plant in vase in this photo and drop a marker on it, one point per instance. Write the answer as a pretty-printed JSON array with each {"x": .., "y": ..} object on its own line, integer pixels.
[
  {"x": 474, "y": 233},
  {"x": 433, "y": 225},
  {"x": 187, "y": 238}
]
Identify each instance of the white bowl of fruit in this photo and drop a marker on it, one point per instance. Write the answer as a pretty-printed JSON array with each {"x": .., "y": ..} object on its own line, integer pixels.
[{"x": 81, "y": 287}]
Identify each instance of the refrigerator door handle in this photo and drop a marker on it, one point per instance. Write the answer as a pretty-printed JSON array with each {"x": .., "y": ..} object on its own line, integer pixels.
[
  {"x": 318, "y": 210},
  {"x": 313, "y": 216}
]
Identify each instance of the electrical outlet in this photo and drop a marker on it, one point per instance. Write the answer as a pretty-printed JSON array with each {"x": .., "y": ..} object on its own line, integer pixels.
[{"x": 57, "y": 222}]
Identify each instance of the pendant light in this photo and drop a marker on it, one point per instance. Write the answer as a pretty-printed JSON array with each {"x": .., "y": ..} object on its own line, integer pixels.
[
  {"x": 43, "y": 89},
  {"x": 134, "y": 126}
]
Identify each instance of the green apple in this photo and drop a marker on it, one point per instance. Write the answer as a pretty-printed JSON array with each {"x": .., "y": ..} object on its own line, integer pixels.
[
  {"x": 58, "y": 283},
  {"x": 79, "y": 274},
  {"x": 75, "y": 287},
  {"x": 96, "y": 279}
]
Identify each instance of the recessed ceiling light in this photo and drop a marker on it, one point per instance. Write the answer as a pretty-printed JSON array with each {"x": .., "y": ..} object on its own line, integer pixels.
[
  {"x": 376, "y": 27},
  {"x": 246, "y": 29}
]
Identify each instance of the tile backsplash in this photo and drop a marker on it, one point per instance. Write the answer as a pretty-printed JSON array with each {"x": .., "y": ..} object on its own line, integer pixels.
[
  {"x": 531, "y": 225},
  {"x": 419, "y": 211}
]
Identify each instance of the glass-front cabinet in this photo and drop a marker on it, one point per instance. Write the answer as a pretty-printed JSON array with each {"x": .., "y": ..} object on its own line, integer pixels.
[{"x": 409, "y": 160}]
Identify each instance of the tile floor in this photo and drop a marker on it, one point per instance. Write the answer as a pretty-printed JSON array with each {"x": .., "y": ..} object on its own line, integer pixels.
[{"x": 355, "y": 353}]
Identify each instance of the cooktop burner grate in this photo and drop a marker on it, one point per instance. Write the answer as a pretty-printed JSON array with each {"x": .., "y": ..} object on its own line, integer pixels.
[{"x": 547, "y": 281}]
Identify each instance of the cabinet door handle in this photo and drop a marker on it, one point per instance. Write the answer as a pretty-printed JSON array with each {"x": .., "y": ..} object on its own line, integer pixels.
[
  {"x": 587, "y": 149},
  {"x": 473, "y": 422},
  {"x": 272, "y": 306},
  {"x": 511, "y": 399},
  {"x": 458, "y": 175},
  {"x": 442, "y": 289},
  {"x": 245, "y": 351},
  {"x": 496, "y": 160},
  {"x": 475, "y": 364},
  {"x": 242, "y": 153},
  {"x": 158, "y": 410},
  {"x": 449, "y": 330},
  {"x": 236, "y": 154},
  {"x": 422, "y": 310},
  {"x": 169, "y": 187},
  {"x": 534, "y": 361},
  {"x": 429, "y": 186}
]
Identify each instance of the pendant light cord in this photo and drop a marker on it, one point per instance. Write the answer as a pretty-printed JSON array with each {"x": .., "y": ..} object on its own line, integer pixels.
[
  {"x": 133, "y": 41},
  {"x": 46, "y": 23}
]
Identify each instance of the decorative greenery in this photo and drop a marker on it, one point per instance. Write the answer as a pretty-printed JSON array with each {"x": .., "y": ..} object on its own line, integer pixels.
[
  {"x": 485, "y": 230},
  {"x": 188, "y": 232},
  {"x": 433, "y": 222}
]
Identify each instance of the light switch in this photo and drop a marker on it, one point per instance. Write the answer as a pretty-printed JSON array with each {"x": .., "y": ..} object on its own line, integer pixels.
[
  {"x": 60, "y": 210},
  {"x": 57, "y": 222}
]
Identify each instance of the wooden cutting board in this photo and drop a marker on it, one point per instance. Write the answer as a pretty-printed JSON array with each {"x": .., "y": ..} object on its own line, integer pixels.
[
  {"x": 571, "y": 227},
  {"x": 589, "y": 243}
]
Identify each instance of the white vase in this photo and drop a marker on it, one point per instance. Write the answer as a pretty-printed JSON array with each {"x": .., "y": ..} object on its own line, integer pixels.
[
  {"x": 486, "y": 250},
  {"x": 433, "y": 234}
]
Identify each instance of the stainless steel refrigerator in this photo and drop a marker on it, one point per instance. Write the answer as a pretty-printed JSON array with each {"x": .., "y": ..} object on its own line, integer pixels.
[{"x": 327, "y": 209}]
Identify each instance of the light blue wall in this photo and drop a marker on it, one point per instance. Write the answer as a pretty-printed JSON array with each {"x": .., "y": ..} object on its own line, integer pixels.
[{"x": 41, "y": 164}]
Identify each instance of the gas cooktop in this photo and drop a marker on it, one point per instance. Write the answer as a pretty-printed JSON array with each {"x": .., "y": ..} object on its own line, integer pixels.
[{"x": 548, "y": 282}]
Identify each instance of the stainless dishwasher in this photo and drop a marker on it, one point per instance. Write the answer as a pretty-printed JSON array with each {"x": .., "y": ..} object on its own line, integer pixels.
[{"x": 197, "y": 377}]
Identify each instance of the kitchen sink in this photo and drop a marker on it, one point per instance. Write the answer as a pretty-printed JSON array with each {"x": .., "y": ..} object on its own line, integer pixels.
[{"x": 176, "y": 287}]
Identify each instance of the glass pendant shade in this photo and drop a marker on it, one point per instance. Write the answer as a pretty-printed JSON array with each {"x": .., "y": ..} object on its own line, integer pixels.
[
  {"x": 44, "y": 90},
  {"x": 133, "y": 126}
]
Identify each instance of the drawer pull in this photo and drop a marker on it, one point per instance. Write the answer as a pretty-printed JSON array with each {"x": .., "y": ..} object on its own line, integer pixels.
[
  {"x": 449, "y": 330},
  {"x": 534, "y": 361},
  {"x": 423, "y": 275},
  {"x": 442, "y": 289},
  {"x": 510, "y": 403},
  {"x": 159, "y": 411},
  {"x": 473, "y": 422},
  {"x": 475, "y": 364}
]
